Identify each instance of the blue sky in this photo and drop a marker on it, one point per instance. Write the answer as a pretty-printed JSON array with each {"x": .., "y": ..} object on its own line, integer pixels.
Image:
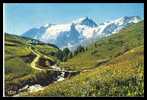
[{"x": 21, "y": 17}]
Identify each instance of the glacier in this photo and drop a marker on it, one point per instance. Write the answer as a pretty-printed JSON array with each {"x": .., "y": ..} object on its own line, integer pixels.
[{"x": 78, "y": 31}]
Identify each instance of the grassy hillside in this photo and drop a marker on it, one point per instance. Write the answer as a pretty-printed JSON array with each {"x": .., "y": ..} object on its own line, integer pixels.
[
  {"x": 107, "y": 48},
  {"x": 112, "y": 66},
  {"x": 122, "y": 76},
  {"x": 19, "y": 56},
  {"x": 15, "y": 48}
]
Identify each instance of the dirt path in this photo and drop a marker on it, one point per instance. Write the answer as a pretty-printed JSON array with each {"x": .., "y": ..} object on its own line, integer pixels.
[
  {"x": 37, "y": 87},
  {"x": 33, "y": 64},
  {"x": 38, "y": 55}
]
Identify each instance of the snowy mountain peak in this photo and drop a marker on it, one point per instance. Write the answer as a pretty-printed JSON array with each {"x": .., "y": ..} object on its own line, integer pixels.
[
  {"x": 85, "y": 21},
  {"x": 47, "y": 25},
  {"x": 77, "y": 21},
  {"x": 126, "y": 20},
  {"x": 82, "y": 29},
  {"x": 136, "y": 19}
]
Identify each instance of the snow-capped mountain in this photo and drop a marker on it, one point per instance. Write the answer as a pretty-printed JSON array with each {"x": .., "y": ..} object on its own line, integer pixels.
[
  {"x": 85, "y": 21},
  {"x": 77, "y": 31}
]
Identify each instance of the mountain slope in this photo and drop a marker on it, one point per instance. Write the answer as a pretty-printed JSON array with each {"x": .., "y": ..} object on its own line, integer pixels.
[
  {"x": 122, "y": 76},
  {"x": 18, "y": 60},
  {"x": 107, "y": 48},
  {"x": 78, "y": 31},
  {"x": 112, "y": 66}
]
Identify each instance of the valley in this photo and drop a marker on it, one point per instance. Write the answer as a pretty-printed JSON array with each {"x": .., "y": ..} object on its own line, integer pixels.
[
  {"x": 110, "y": 66},
  {"x": 29, "y": 80}
]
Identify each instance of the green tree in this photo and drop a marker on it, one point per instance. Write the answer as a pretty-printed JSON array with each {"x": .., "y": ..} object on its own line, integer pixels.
[
  {"x": 59, "y": 55},
  {"x": 66, "y": 53},
  {"x": 79, "y": 49},
  {"x": 70, "y": 55}
]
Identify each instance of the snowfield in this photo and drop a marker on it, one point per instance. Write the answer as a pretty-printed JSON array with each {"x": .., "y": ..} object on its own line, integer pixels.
[{"x": 82, "y": 29}]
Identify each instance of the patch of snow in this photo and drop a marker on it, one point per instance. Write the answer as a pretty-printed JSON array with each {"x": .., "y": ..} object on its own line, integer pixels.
[{"x": 72, "y": 34}]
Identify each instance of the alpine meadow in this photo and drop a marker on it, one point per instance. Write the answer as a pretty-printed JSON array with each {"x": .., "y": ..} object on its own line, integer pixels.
[{"x": 93, "y": 55}]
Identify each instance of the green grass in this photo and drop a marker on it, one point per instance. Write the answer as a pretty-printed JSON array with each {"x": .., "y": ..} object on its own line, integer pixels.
[
  {"x": 122, "y": 76},
  {"x": 39, "y": 49},
  {"x": 17, "y": 68},
  {"x": 14, "y": 65},
  {"x": 113, "y": 66},
  {"x": 107, "y": 48},
  {"x": 45, "y": 49},
  {"x": 17, "y": 50}
]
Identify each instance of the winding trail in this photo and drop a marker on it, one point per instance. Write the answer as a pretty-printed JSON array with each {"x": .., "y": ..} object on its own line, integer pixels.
[
  {"x": 37, "y": 87},
  {"x": 38, "y": 55},
  {"x": 33, "y": 64}
]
